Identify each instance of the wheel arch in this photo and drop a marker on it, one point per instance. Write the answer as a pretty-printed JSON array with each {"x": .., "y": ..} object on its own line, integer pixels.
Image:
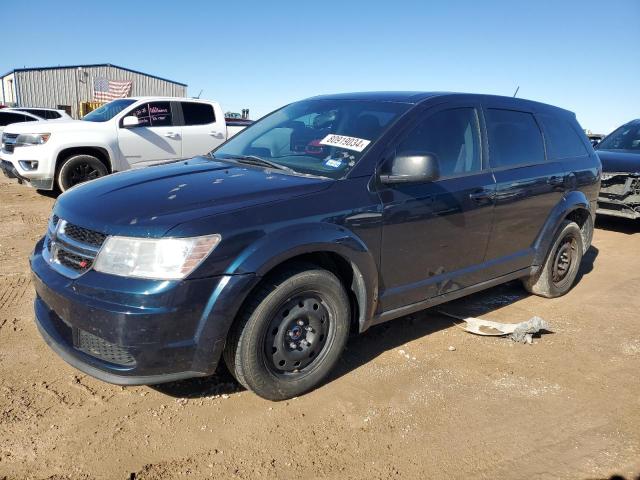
[
  {"x": 100, "y": 153},
  {"x": 328, "y": 246},
  {"x": 574, "y": 206}
]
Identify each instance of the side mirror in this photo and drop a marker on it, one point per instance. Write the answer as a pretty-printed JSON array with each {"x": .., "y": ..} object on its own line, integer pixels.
[
  {"x": 412, "y": 167},
  {"x": 130, "y": 121}
]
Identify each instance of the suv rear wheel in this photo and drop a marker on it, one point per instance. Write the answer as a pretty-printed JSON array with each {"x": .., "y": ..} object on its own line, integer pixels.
[
  {"x": 291, "y": 334},
  {"x": 562, "y": 264},
  {"x": 79, "y": 169}
]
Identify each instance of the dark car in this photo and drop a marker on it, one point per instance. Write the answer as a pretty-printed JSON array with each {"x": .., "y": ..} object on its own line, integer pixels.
[
  {"x": 330, "y": 215},
  {"x": 619, "y": 153}
]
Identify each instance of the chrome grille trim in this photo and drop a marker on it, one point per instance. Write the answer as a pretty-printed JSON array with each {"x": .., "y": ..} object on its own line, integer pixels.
[{"x": 65, "y": 254}]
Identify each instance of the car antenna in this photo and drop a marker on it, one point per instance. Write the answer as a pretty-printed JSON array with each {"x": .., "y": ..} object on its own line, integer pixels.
[
  {"x": 200, "y": 93},
  {"x": 516, "y": 92}
]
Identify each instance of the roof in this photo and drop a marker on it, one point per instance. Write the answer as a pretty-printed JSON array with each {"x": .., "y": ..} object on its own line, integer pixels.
[
  {"x": 417, "y": 97},
  {"x": 60, "y": 67},
  {"x": 398, "y": 97}
]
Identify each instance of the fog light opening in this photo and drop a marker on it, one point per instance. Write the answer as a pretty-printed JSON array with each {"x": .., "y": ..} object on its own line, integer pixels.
[{"x": 29, "y": 164}]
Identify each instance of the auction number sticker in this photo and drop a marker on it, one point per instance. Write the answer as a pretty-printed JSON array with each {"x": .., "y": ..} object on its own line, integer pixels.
[{"x": 342, "y": 141}]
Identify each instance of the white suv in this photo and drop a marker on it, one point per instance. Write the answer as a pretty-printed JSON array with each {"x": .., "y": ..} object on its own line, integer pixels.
[{"x": 125, "y": 133}]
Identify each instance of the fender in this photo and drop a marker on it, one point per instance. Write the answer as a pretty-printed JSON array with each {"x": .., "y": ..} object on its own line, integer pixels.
[
  {"x": 106, "y": 148},
  {"x": 292, "y": 241},
  {"x": 572, "y": 201}
]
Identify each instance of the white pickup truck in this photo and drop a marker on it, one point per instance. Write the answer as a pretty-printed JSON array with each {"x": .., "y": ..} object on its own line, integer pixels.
[{"x": 122, "y": 134}]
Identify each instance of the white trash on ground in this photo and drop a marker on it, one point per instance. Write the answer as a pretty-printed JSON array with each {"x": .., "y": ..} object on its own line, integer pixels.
[{"x": 518, "y": 332}]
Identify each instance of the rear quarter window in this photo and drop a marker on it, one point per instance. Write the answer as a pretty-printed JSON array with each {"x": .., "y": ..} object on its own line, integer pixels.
[
  {"x": 197, "y": 113},
  {"x": 514, "y": 138},
  {"x": 563, "y": 140}
]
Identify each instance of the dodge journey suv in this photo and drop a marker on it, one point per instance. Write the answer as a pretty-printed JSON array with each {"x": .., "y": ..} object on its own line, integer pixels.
[{"x": 326, "y": 217}]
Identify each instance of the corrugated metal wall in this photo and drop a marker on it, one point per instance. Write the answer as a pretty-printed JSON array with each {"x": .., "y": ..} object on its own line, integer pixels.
[{"x": 71, "y": 86}]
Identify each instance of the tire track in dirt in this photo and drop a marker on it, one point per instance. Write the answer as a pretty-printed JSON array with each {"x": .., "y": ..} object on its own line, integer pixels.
[{"x": 14, "y": 290}]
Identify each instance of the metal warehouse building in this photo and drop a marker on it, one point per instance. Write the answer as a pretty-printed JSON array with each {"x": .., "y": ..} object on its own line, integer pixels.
[{"x": 73, "y": 88}]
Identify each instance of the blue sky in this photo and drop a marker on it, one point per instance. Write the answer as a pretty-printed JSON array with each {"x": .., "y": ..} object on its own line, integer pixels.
[{"x": 581, "y": 55}]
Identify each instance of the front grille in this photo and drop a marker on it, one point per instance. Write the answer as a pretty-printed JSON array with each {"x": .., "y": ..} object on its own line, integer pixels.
[
  {"x": 8, "y": 142},
  {"x": 74, "y": 262},
  {"x": 99, "y": 348},
  {"x": 71, "y": 249},
  {"x": 84, "y": 235}
]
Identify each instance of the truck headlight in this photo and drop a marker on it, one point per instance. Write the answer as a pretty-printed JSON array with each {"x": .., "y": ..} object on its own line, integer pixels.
[
  {"x": 29, "y": 139},
  {"x": 162, "y": 259}
]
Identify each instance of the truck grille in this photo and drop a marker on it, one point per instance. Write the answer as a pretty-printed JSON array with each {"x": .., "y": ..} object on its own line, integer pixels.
[
  {"x": 70, "y": 249},
  {"x": 99, "y": 348},
  {"x": 8, "y": 142}
]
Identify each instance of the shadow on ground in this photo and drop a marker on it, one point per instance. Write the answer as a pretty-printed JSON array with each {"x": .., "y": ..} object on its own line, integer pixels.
[
  {"x": 362, "y": 349},
  {"x": 617, "y": 224}
]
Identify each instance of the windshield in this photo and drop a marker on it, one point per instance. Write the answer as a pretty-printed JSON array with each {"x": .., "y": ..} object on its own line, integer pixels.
[
  {"x": 627, "y": 137},
  {"x": 317, "y": 137},
  {"x": 108, "y": 111}
]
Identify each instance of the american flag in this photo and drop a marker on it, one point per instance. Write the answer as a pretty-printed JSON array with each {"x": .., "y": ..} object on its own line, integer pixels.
[{"x": 106, "y": 90}]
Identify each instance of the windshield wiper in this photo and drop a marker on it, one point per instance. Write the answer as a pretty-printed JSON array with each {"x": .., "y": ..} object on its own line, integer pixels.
[{"x": 254, "y": 160}]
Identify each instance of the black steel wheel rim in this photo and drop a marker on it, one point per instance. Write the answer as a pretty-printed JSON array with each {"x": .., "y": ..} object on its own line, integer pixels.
[
  {"x": 298, "y": 334},
  {"x": 82, "y": 172},
  {"x": 564, "y": 260}
]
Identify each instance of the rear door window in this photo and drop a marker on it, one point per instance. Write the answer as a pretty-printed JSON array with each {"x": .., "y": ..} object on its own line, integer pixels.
[
  {"x": 562, "y": 139},
  {"x": 453, "y": 135},
  {"x": 154, "y": 114},
  {"x": 514, "y": 138},
  {"x": 195, "y": 113},
  {"x": 7, "y": 118}
]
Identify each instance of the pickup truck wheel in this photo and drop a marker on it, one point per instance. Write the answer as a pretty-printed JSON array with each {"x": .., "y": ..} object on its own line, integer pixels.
[
  {"x": 79, "y": 169},
  {"x": 562, "y": 264},
  {"x": 291, "y": 334}
]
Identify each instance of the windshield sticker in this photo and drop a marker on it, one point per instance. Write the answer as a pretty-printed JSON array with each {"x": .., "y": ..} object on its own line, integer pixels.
[
  {"x": 333, "y": 163},
  {"x": 342, "y": 141}
]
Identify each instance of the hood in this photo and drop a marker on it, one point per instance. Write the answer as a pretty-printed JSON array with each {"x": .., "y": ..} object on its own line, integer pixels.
[
  {"x": 49, "y": 126},
  {"x": 619, "y": 161},
  {"x": 151, "y": 201}
]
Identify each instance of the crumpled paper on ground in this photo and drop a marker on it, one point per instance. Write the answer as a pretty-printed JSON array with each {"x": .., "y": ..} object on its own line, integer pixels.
[{"x": 518, "y": 332}]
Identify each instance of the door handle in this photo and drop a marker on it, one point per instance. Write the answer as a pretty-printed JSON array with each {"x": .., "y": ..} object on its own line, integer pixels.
[
  {"x": 171, "y": 135},
  {"x": 555, "y": 181},
  {"x": 481, "y": 196},
  {"x": 216, "y": 134}
]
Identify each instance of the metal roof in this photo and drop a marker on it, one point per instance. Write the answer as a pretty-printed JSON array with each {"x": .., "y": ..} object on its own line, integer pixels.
[{"x": 60, "y": 67}]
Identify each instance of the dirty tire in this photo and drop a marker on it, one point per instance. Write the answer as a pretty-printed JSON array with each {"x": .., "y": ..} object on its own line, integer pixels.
[
  {"x": 78, "y": 169},
  {"x": 259, "y": 350},
  {"x": 561, "y": 265}
]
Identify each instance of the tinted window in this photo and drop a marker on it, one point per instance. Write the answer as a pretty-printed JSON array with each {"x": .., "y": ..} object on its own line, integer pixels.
[
  {"x": 453, "y": 136},
  {"x": 562, "y": 139},
  {"x": 47, "y": 114},
  {"x": 7, "y": 118},
  {"x": 197, "y": 113},
  {"x": 514, "y": 138},
  {"x": 155, "y": 114}
]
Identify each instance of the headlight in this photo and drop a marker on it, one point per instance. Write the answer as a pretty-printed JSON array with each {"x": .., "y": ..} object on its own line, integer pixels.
[
  {"x": 162, "y": 259},
  {"x": 28, "y": 139}
]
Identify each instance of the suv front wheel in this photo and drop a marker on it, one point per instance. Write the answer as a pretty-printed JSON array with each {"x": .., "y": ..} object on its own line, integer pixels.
[
  {"x": 291, "y": 333},
  {"x": 561, "y": 267},
  {"x": 79, "y": 169}
]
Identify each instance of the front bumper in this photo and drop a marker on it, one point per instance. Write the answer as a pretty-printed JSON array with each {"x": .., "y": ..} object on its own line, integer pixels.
[
  {"x": 620, "y": 195},
  {"x": 41, "y": 178},
  {"x": 132, "y": 331}
]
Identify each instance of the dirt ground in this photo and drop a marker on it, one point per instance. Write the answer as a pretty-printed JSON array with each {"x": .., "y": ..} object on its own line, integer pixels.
[{"x": 403, "y": 404}]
